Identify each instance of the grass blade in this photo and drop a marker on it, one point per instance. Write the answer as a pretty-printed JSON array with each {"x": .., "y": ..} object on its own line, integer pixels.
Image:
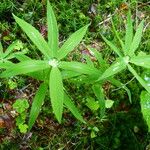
[
  {"x": 35, "y": 37},
  {"x": 72, "y": 42},
  {"x": 37, "y": 104},
  {"x": 70, "y": 105},
  {"x": 52, "y": 29},
  {"x": 141, "y": 81},
  {"x": 56, "y": 92},
  {"x": 1, "y": 49},
  {"x": 143, "y": 61},
  {"x": 137, "y": 39},
  {"x": 129, "y": 34},
  {"x": 25, "y": 67}
]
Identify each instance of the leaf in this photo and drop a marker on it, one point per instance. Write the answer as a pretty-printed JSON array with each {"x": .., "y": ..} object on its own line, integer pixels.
[
  {"x": 88, "y": 60},
  {"x": 145, "y": 107},
  {"x": 136, "y": 40},
  {"x": 117, "y": 35},
  {"x": 1, "y": 49},
  {"x": 37, "y": 104},
  {"x": 78, "y": 67},
  {"x": 10, "y": 49},
  {"x": 6, "y": 64},
  {"x": 72, "y": 42},
  {"x": 70, "y": 105},
  {"x": 99, "y": 93},
  {"x": 98, "y": 55},
  {"x": 143, "y": 61},
  {"x": 35, "y": 37},
  {"x": 52, "y": 29},
  {"x": 116, "y": 67},
  {"x": 56, "y": 92},
  {"x": 112, "y": 46},
  {"x": 109, "y": 103},
  {"x": 141, "y": 81},
  {"x": 25, "y": 67},
  {"x": 23, "y": 128},
  {"x": 69, "y": 74},
  {"x": 129, "y": 34},
  {"x": 92, "y": 104}
]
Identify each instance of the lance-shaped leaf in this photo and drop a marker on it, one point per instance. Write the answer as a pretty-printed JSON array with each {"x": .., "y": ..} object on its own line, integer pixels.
[
  {"x": 116, "y": 67},
  {"x": 37, "y": 104},
  {"x": 142, "y": 82},
  {"x": 143, "y": 61},
  {"x": 145, "y": 107},
  {"x": 35, "y": 37},
  {"x": 6, "y": 64},
  {"x": 70, "y": 105},
  {"x": 112, "y": 46},
  {"x": 1, "y": 49},
  {"x": 136, "y": 40},
  {"x": 52, "y": 29},
  {"x": 78, "y": 67},
  {"x": 129, "y": 34},
  {"x": 117, "y": 35},
  {"x": 69, "y": 74},
  {"x": 56, "y": 92},
  {"x": 72, "y": 42},
  {"x": 25, "y": 67}
]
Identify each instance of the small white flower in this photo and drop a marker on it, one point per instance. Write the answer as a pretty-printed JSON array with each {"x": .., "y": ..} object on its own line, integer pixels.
[{"x": 53, "y": 62}]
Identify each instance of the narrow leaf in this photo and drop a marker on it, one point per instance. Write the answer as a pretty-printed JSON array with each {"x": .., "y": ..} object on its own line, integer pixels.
[
  {"x": 129, "y": 34},
  {"x": 145, "y": 107},
  {"x": 112, "y": 46},
  {"x": 72, "y": 42},
  {"x": 35, "y": 37},
  {"x": 52, "y": 29},
  {"x": 70, "y": 105},
  {"x": 1, "y": 49},
  {"x": 141, "y": 81},
  {"x": 69, "y": 74},
  {"x": 78, "y": 67},
  {"x": 56, "y": 92},
  {"x": 117, "y": 35},
  {"x": 25, "y": 67},
  {"x": 143, "y": 61},
  {"x": 37, "y": 104},
  {"x": 116, "y": 67},
  {"x": 137, "y": 39}
]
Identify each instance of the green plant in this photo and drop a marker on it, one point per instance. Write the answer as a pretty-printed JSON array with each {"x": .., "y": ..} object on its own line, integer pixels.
[
  {"x": 21, "y": 105},
  {"x": 51, "y": 69}
]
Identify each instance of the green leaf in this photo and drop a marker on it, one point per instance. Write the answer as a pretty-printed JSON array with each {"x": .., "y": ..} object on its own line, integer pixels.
[
  {"x": 1, "y": 49},
  {"x": 112, "y": 46},
  {"x": 109, "y": 103},
  {"x": 136, "y": 40},
  {"x": 117, "y": 35},
  {"x": 35, "y": 37},
  {"x": 99, "y": 93},
  {"x": 37, "y": 104},
  {"x": 69, "y": 74},
  {"x": 72, "y": 42},
  {"x": 21, "y": 105},
  {"x": 52, "y": 29},
  {"x": 141, "y": 81},
  {"x": 129, "y": 34},
  {"x": 145, "y": 107},
  {"x": 92, "y": 104},
  {"x": 56, "y": 92},
  {"x": 143, "y": 61},
  {"x": 70, "y": 105},
  {"x": 116, "y": 67},
  {"x": 23, "y": 128},
  {"x": 25, "y": 67},
  {"x": 78, "y": 67},
  {"x": 88, "y": 60},
  {"x": 6, "y": 64}
]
